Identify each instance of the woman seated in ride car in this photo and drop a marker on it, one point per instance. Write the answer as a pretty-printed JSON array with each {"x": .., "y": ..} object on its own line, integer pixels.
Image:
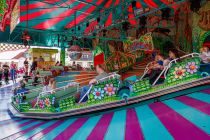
[
  {"x": 49, "y": 85},
  {"x": 173, "y": 54},
  {"x": 205, "y": 59},
  {"x": 205, "y": 55}
]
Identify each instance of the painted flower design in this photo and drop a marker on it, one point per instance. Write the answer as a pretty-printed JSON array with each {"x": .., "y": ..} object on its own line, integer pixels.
[
  {"x": 47, "y": 102},
  {"x": 41, "y": 104},
  {"x": 98, "y": 93},
  {"x": 191, "y": 67},
  {"x": 110, "y": 89},
  {"x": 179, "y": 72}
]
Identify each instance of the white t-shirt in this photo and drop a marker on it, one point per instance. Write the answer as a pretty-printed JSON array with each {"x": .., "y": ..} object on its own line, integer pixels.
[
  {"x": 46, "y": 89},
  {"x": 205, "y": 56}
]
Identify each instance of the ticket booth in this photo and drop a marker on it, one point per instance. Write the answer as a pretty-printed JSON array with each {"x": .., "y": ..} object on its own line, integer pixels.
[{"x": 48, "y": 56}]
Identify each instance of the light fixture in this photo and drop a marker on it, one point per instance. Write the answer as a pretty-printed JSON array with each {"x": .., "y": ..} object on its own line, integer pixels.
[
  {"x": 98, "y": 19},
  {"x": 87, "y": 24},
  {"x": 133, "y": 4}
]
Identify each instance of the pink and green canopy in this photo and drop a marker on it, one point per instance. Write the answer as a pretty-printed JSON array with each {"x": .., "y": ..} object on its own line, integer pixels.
[{"x": 61, "y": 15}]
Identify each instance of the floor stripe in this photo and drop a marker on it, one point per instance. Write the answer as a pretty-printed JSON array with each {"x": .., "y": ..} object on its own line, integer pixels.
[
  {"x": 69, "y": 131},
  {"x": 178, "y": 126},
  {"x": 45, "y": 131},
  {"x": 13, "y": 127},
  {"x": 52, "y": 134},
  {"x": 14, "y": 130},
  {"x": 117, "y": 125},
  {"x": 37, "y": 130},
  {"x": 198, "y": 118},
  {"x": 20, "y": 133},
  {"x": 26, "y": 123},
  {"x": 206, "y": 91},
  {"x": 133, "y": 129},
  {"x": 197, "y": 104},
  {"x": 200, "y": 96},
  {"x": 12, "y": 122},
  {"x": 100, "y": 129},
  {"x": 151, "y": 126},
  {"x": 86, "y": 129}
]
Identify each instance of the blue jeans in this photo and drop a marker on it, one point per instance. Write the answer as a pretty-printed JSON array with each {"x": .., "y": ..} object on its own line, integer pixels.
[{"x": 83, "y": 92}]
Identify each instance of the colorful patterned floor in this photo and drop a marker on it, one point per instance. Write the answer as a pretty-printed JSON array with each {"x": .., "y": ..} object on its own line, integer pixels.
[{"x": 182, "y": 118}]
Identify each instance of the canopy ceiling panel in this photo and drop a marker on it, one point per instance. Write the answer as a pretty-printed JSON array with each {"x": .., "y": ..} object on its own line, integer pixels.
[{"x": 59, "y": 15}]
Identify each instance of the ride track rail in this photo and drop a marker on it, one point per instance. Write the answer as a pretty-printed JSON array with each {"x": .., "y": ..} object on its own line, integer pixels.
[{"x": 110, "y": 105}]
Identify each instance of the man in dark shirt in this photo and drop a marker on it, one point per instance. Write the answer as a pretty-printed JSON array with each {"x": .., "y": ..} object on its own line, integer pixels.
[{"x": 6, "y": 73}]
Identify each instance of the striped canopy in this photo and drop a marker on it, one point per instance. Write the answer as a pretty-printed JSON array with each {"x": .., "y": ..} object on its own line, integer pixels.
[{"x": 62, "y": 15}]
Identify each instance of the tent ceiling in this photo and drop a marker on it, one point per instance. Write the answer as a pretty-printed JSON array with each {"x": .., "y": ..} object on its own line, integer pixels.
[{"x": 59, "y": 15}]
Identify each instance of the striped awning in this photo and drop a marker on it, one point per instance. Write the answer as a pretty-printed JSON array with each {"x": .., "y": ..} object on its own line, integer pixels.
[
  {"x": 60, "y": 14},
  {"x": 83, "y": 15}
]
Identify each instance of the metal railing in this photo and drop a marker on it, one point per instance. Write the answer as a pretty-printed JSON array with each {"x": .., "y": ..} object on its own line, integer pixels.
[
  {"x": 166, "y": 68},
  {"x": 175, "y": 61},
  {"x": 110, "y": 76}
]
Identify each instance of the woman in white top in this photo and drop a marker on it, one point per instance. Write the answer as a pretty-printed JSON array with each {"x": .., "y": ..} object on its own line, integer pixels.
[
  {"x": 50, "y": 85},
  {"x": 205, "y": 55}
]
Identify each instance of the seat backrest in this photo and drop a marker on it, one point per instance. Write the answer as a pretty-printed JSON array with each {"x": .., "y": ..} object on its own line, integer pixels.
[
  {"x": 105, "y": 87},
  {"x": 57, "y": 68},
  {"x": 184, "y": 69}
]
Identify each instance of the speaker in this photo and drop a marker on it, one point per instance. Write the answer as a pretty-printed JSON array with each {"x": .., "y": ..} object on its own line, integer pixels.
[
  {"x": 133, "y": 4},
  {"x": 98, "y": 19},
  {"x": 87, "y": 24},
  {"x": 195, "y": 5},
  {"x": 166, "y": 13},
  {"x": 125, "y": 26},
  {"x": 143, "y": 21}
]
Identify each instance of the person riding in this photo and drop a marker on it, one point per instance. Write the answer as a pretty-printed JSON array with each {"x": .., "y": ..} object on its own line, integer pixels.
[
  {"x": 36, "y": 78},
  {"x": 100, "y": 70},
  {"x": 33, "y": 68},
  {"x": 205, "y": 59},
  {"x": 173, "y": 54},
  {"x": 205, "y": 55},
  {"x": 22, "y": 89},
  {"x": 155, "y": 68},
  {"x": 49, "y": 85}
]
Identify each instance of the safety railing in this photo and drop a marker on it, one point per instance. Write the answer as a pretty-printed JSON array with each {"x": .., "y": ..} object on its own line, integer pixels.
[
  {"x": 110, "y": 76},
  {"x": 175, "y": 61},
  {"x": 166, "y": 68},
  {"x": 145, "y": 70}
]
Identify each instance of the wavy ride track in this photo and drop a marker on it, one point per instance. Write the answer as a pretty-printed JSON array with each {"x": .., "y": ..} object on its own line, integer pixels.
[{"x": 182, "y": 117}]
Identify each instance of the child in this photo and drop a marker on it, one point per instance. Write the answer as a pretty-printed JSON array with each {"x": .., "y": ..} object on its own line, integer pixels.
[
  {"x": 155, "y": 68},
  {"x": 36, "y": 78}
]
